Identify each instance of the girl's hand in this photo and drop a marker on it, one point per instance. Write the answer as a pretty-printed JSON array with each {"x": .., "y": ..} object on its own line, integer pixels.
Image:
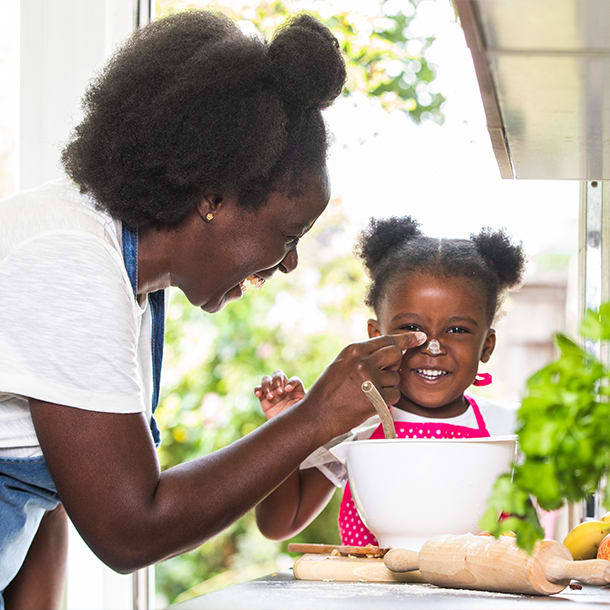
[{"x": 277, "y": 393}]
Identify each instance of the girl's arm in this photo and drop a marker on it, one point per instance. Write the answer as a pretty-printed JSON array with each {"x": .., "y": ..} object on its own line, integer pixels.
[
  {"x": 294, "y": 504},
  {"x": 40, "y": 580},
  {"x": 304, "y": 493}
]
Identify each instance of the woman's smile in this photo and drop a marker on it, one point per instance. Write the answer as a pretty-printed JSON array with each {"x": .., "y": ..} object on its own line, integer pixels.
[{"x": 238, "y": 290}]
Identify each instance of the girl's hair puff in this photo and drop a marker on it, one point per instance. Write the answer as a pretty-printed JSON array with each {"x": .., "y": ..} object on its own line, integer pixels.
[{"x": 395, "y": 246}]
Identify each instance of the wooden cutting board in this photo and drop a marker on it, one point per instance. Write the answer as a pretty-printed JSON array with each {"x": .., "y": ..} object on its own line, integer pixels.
[{"x": 337, "y": 568}]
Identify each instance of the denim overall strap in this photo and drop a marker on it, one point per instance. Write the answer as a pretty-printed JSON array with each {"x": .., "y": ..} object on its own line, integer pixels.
[{"x": 156, "y": 302}]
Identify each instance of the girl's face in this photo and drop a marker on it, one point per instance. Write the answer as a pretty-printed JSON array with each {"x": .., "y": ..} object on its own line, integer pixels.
[{"x": 452, "y": 312}]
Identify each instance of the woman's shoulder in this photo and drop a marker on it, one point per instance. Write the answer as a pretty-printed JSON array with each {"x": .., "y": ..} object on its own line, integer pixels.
[{"x": 56, "y": 207}]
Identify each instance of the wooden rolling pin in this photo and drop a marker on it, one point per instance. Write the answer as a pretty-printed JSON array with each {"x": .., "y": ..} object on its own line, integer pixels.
[{"x": 490, "y": 564}]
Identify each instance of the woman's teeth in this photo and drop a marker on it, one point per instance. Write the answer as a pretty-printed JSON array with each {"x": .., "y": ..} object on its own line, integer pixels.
[
  {"x": 431, "y": 374},
  {"x": 253, "y": 280}
]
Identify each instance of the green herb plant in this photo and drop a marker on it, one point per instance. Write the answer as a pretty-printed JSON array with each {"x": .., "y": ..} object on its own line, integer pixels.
[{"x": 564, "y": 437}]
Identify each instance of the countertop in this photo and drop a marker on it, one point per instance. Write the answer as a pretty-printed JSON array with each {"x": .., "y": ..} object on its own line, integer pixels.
[{"x": 281, "y": 590}]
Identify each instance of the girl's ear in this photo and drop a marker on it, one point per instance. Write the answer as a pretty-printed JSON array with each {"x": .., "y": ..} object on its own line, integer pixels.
[
  {"x": 489, "y": 345},
  {"x": 373, "y": 328}
]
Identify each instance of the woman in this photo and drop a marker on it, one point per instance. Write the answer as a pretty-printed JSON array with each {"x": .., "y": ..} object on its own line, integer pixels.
[{"x": 200, "y": 163}]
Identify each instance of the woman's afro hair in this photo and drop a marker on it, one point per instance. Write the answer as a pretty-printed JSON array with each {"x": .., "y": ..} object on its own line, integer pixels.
[
  {"x": 190, "y": 103},
  {"x": 396, "y": 246}
]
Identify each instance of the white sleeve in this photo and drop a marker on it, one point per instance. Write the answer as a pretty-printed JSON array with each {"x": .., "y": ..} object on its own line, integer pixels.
[
  {"x": 69, "y": 328},
  {"x": 327, "y": 463},
  {"x": 322, "y": 459}
]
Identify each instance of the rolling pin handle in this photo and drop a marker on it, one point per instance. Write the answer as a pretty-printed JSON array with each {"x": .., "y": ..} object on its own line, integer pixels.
[
  {"x": 401, "y": 560},
  {"x": 589, "y": 571}
]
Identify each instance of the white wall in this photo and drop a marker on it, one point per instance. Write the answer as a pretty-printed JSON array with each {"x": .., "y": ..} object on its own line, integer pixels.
[{"x": 63, "y": 44}]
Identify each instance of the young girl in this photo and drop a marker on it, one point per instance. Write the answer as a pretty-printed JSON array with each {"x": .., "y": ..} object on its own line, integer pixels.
[{"x": 449, "y": 289}]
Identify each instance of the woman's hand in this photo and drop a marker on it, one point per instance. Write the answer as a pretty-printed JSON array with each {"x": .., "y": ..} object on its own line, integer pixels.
[
  {"x": 277, "y": 393},
  {"x": 336, "y": 398}
]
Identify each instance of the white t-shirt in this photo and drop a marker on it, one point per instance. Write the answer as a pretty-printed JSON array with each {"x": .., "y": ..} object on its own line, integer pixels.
[
  {"x": 71, "y": 330},
  {"x": 498, "y": 421}
]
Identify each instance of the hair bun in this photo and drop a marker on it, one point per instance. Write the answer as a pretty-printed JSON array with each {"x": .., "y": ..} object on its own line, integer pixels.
[
  {"x": 306, "y": 65},
  {"x": 506, "y": 258},
  {"x": 383, "y": 236}
]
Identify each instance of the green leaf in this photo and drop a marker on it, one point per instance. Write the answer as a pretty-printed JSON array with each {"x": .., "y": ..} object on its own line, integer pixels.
[
  {"x": 596, "y": 323},
  {"x": 540, "y": 479},
  {"x": 591, "y": 325}
]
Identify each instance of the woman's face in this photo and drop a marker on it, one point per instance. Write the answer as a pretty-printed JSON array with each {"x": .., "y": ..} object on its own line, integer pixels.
[
  {"x": 451, "y": 311},
  {"x": 218, "y": 256}
]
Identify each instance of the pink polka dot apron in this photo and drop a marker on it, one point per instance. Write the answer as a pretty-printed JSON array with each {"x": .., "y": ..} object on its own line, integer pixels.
[{"x": 352, "y": 529}]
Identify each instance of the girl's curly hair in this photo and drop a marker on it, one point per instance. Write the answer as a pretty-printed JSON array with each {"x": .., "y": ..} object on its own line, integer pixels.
[
  {"x": 190, "y": 103},
  {"x": 396, "y": 246}
]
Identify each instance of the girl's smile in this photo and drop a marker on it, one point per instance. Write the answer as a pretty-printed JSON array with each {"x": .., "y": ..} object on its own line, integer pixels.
[
  {"x": 430, "y": 375},
  {"x": 452, "y": 311}
]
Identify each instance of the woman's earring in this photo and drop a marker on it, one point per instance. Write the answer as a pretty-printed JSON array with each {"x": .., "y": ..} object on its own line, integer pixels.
[{"x": 209, "y": 217}]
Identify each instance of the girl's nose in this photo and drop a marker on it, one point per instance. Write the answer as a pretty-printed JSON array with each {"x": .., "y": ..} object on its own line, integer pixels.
[
  {"x": 289, "y": 262},
  {"x": 433, "y": 347}
]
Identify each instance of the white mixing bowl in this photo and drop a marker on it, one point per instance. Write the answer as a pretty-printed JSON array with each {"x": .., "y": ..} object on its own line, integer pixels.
[{"x": 408, "y": 490}]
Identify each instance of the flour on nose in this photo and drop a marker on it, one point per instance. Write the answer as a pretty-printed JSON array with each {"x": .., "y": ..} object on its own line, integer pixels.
[{"x": 434, "y": 347}]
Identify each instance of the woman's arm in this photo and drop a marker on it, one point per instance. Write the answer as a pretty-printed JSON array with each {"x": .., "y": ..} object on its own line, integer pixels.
[
  {"x": 294, "y": 504},
  {"x": 40, "y": 580},
  {"x": 106, "y": 470}
]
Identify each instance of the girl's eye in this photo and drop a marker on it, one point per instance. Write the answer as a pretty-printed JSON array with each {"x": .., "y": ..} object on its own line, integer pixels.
[{"x": 457, "y": 330}]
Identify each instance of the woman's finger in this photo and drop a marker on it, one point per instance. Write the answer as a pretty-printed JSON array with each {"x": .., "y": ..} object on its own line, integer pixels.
[
  {"x": 390, "y": 395},
  {"x": 403, "y": 341},
  {"x": 388, "y": 357},
  {"x": 389, "y": 379}
]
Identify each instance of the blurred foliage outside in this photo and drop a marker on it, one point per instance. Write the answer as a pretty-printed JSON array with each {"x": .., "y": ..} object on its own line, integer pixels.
[
  {"x": 384, "y": 60},
  {"x": 297, "y": 323}
]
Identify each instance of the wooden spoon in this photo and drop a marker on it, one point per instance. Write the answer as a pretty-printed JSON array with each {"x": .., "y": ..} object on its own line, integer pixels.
[{"x": 371, "y": 392}]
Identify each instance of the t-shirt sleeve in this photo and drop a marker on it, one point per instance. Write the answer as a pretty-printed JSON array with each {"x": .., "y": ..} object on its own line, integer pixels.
[{"x": 69, "y": 326}]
